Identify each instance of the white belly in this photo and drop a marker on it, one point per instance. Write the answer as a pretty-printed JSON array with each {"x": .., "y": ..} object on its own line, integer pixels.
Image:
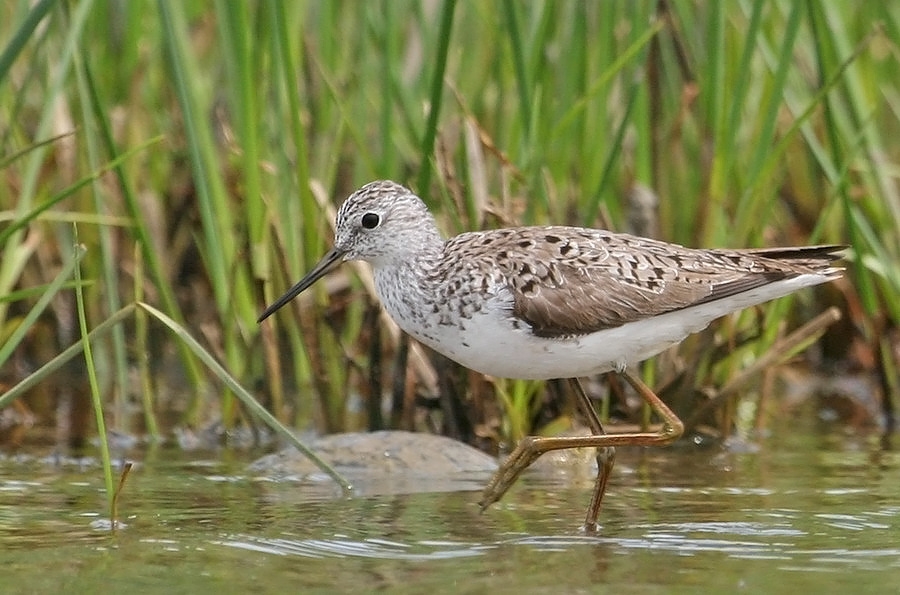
[
  {"x": 489, "y": 343},
  {"x": 492, "y": 346}
]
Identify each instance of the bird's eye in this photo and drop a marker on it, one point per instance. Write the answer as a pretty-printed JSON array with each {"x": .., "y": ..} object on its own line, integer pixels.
[{"x": 370, "y": 220}]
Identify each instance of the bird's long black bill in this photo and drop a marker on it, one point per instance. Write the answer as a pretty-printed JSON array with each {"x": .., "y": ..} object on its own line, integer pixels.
[{"x": 328, "y": 262}]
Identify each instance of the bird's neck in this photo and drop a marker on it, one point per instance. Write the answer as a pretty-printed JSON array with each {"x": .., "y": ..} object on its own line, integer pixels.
[
  {"x": 408, "y": 286},
  {"x": 423, "y": 251}
]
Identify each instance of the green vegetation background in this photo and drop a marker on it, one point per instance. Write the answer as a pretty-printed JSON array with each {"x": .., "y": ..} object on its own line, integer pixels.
[{"x": 196, "y": 151}]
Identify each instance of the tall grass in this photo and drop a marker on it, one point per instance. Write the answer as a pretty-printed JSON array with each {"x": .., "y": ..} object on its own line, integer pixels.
[{"x": 751, "y": 123}]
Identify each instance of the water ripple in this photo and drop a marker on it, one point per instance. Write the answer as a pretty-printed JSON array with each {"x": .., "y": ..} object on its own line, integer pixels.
[{"x": 346, "y": 548}]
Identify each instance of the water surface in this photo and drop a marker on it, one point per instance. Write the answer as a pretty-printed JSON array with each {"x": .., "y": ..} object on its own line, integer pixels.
[{"x": 812, "y": 509}]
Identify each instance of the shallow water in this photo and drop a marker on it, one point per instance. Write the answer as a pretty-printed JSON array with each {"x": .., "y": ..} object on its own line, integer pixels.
[{"x": 811, "y": 509}]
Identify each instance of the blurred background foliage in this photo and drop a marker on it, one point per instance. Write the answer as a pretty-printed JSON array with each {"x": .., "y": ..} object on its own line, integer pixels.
[{"x": 197, "y": 150}]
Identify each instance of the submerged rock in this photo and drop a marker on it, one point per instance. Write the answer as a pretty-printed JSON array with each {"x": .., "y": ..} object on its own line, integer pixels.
[{"x": 386, "y": 462}]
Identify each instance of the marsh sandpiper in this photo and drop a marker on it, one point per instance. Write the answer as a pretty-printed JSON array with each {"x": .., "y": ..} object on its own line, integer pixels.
[{"x": 553, "y": 302}]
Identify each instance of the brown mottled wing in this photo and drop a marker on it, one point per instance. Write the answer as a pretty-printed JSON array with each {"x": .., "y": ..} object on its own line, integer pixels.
[{"x": 571, "y": 281}]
